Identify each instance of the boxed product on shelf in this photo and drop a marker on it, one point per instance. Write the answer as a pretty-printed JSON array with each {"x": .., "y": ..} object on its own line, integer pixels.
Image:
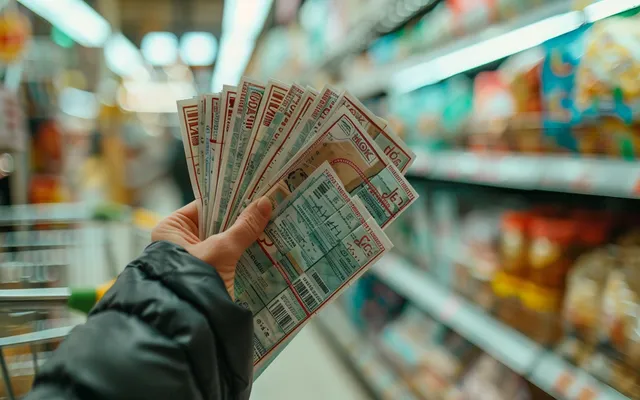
[
  {"x": 601, "y": 316},
  {"x": 591, "y": 104},
  {"x": 476, "y": 261},
  {"x": 429, "y": 356},
  {"x": 433, "y": 117},
  {"x": 489, "y": 379},
  {"x": 412, "y": 232},
  {"x": 371, "y": 304}
]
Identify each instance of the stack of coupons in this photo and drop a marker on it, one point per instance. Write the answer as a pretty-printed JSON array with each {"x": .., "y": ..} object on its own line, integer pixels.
[{"x": 334, "y": 173}]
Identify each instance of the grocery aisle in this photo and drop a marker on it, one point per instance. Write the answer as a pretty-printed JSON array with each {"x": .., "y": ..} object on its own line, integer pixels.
[{"x": 308, "y": 369}]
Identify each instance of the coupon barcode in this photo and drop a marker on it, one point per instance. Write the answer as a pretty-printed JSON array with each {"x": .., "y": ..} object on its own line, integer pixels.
[
  {"x": 321, "y": 190},
  {"x": 281, "y": 315},
  {"x": 262, "y": 267},
  {"x": 308, "y": 294},
  {"x": 321, "y": 284},
  {"x": 258, "y": 348}
]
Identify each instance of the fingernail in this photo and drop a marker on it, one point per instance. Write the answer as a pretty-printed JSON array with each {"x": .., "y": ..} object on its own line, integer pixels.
[{"x": 264, "y": 206}]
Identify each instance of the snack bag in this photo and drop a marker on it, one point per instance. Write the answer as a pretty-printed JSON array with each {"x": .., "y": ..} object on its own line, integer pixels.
[
  {"x": 606, "y": 79},
  {"x": 583, "y": 297},
  {"x": 621, "y": 311},
  {"x": 557, "y": 85}
]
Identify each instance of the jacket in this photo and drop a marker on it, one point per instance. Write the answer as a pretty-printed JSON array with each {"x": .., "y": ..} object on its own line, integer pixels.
[{"x": 166, "y": 330}]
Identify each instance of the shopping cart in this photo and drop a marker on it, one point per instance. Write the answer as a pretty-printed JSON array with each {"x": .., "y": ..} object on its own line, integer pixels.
[{"x": 45, "y": 250}]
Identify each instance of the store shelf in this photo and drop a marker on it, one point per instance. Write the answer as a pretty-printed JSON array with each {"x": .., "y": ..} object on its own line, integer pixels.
[
  {"x": 361, "y": 355},
  {"x": 511, "y": 348},
  {"x": 43, "y": 213},
  {"x": 542, "y": 367},
  {"x": 492, "y": 44},
  {"x": 378, "y": 19},
  {"x": 407, "y": 75},
  {"x": 562, "y": 380},
  {"x": 603, "y": 177}
]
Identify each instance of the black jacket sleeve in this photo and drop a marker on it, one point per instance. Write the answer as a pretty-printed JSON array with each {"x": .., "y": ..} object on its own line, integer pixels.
[{"x": 166, "y": 330}]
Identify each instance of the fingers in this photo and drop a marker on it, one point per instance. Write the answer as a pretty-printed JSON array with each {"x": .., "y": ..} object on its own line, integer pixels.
[
  {"x": 249, "y": 225},
  {"x": 190, "y": 211}
]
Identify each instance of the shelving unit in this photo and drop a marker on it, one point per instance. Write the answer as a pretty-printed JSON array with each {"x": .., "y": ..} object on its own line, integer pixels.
[
  {"x": 541, "y": 366},
  {"x": 602, "y": 177},
  {"x": 379, "y": 19},
  {"x": 361, "y": 355},
  {"x": 418, "y": 70},
  {"x": 473, "y": 51}
]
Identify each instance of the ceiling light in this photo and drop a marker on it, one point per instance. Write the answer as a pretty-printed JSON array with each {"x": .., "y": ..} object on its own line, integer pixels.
[
  {"x": 198, "y": 48},
  {"x": 153, "y": 97},
  {"x": 242, "y": 22},
  {"x": 73, "y": 17},
  {"x": 123, "y": 57},
  {"x": 160, "y": 48},
  {"x": 78, "y": 103},
  {"x": 234, "y": 58}
]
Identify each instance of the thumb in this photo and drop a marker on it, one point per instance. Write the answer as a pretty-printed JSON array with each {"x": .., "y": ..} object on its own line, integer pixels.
[{"x": 249, "y": 225}]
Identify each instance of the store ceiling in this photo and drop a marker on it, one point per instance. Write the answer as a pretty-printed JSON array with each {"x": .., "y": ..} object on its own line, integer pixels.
[{"x": 138, "y": 17}]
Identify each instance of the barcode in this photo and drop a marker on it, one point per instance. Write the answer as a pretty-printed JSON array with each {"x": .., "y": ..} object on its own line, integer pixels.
[
  {"x": 283, "y": 318},
  {"x": 321, "y": 190},
  {"x": 249, "y": 258},
  {"x": 321, "y": 284},
  {"x": 307, "y": 293},
  {"x": 258, "y": 349},
  {"x": 262, "y": 267}
]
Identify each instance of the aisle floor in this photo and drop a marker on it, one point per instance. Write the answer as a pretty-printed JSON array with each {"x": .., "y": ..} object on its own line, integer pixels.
[{"x": 308, "y": 369}]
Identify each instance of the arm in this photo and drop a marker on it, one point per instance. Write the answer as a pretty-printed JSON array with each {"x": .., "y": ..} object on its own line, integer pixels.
[{"x": 167, "y": 329}]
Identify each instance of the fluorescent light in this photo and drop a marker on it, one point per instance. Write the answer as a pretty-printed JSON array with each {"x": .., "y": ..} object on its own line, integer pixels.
[
  {"x": 78, "y": 103},
  {"x": 160, "y": 48},
  {"x": 485, "y": 52},
  {"x": 245, "y": 17},
  {"x": 607, "y": 8},
  {"x": 234, "y": 57},
  {"x": 242, "y": 22},
  {"x": 73, "y": 17},
  {"x": 123, "y": 57},
  {"x": 153, "y": 97},
  {"x": 198, "y": 48}
]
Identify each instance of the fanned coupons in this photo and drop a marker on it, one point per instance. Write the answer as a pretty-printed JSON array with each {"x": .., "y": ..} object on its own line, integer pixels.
[{"x": 333, "y": 172}]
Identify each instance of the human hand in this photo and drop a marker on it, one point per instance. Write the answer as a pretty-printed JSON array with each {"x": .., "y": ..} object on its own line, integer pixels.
[{"x": 222, "y": 251}]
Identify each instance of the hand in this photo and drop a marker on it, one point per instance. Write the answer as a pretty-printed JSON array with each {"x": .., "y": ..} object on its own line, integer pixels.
[{"x": 222, "y": 251}]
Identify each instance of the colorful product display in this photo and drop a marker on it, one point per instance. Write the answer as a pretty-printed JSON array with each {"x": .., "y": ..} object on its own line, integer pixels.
[
  {"x": 431, "y": 360},
  {"x": 560, "y": 269},
  {"x": 601, "y": 314},
  {"x": 575, "y": 93}
]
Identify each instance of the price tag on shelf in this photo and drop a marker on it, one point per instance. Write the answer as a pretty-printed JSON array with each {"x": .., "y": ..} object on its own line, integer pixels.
[
  {"x": 587, "y": 393},
  {"x": 563, "y": 383},
  {"x": 585, "y": 387}
]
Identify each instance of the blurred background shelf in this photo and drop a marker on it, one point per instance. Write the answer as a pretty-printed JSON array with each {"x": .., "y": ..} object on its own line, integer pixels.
[
  {"x": 543, "y": 367},
  {"x": 380, "y": 18},
  {"x": 361, "y": 355},
  {"x": 596, "y": 176},
  {"x": 418, "y": 70},
  {"x": 562, "y": 380}
]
